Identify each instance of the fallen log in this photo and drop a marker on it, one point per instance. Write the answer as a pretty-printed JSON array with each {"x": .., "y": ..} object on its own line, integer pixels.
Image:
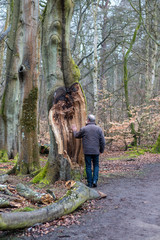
[
  {"x": 28, "y": 193},
  {"x": 76, "y": 196},
  {"x": 4, "y": 188},
  {"x": 7, "y": 198},
  {"x": 4, "y": 203},
  {"x": 3, "y": 178}
]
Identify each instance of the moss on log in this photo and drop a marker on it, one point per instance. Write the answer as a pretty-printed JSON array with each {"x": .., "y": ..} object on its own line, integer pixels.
[{"x": 75, "y": 197}]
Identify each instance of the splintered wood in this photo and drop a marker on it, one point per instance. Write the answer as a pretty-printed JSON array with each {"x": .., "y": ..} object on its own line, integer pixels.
[{"x": 68, "y": 108}]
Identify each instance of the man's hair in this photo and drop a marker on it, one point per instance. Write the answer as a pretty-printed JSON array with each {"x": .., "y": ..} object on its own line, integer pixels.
[{"x": 91, "y": 118}]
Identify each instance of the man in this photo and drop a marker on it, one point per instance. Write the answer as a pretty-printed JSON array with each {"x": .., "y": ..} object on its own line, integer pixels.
[{"x": 93, "y": 144}]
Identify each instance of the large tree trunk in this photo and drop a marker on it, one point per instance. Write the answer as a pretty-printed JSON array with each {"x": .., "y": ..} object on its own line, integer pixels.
[
  {"x": 66, "y": 103},
  {"x": 10, "y": 103},
  {"x": 28, "y": 76},
  {"x": 72, "y": 200},
  {"x": 2, "y": 42}
]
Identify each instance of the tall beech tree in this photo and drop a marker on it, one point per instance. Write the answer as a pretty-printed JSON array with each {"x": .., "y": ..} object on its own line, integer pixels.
[
  {"x": 18, "y": 118},
  {"x": 2, "y": 40},
  {"x": 10, "y": 103},
  {"x": 65, "y": 99},
  {"x": 28, "y": 76}
]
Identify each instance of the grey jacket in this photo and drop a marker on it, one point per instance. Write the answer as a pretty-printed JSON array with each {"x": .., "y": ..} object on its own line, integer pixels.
[{"x": 92, "y": 139}]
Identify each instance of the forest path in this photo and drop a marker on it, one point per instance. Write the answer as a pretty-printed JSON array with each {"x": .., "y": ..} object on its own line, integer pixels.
[{"x": 131, "y": 210}]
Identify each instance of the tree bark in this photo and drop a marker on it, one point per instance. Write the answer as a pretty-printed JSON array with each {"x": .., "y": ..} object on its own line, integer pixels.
[
  {"x": 28, "y": 77},
  {"x": 10, "y": 103},
  {"x": 28, "y": 193},
  {"x": 154, "y": 57},
  {"x": 95, "y": 72},
  {"x": 71, "y": 201},
  {"x": 66, "y": 103},
  {"x": 125, "y": 79},
  {"x": 147, "y": 75},
  {"x": 7, "y": 29}
]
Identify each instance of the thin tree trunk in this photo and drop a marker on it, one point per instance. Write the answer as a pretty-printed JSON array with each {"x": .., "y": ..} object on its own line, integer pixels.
[
  {"x": 95, "y": 72},
  {"x": 147, "y": 75},
  {"x": 152, "y": 59},
  {"x": 154, "y": 52},
  {"x": 66, "y": 103},
  {"x": 125, "y": 79}
]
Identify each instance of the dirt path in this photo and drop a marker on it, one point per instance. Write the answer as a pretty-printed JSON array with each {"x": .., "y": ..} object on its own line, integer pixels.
[{"x": 131, "y": 211}]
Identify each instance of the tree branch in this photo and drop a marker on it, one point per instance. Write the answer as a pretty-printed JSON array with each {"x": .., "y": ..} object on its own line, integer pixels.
[
  {"x": 4, "y": 34},
  {"x": 93, "y": 51}
]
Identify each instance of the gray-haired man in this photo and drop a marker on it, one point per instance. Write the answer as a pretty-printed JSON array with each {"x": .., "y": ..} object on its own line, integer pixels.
[{"x": 93, "y": 144}]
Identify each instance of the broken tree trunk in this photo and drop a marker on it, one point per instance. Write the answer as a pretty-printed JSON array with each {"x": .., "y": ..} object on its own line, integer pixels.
[
  {"x": 13, "y": 199},
  {"x": 65, "y": 99},
  {"x": 72, "y": 200},
  {"x": 28, "y": 193}
]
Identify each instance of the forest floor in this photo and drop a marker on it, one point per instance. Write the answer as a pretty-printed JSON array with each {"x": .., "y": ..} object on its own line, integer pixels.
[{"x": 129, "y": 212}]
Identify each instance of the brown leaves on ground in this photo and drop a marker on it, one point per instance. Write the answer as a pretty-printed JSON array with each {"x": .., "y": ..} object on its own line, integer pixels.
[
  {"x": 125, "y": 163},
  {"x": 69, "y": 184},
  {"x": 46, "y": 199}
]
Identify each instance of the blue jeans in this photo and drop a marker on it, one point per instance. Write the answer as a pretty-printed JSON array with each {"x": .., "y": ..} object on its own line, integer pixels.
[{"x": 88, "y": 160}]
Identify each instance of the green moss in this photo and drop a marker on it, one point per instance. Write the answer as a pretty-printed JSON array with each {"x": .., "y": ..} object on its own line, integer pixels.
[
  {"x": 76, "y": 175},
  {"x": 3, "y": 156},
  {"x": 131, "y": 153},
  {"x": 25, "y": 209},
  {"x": 43, "y": 160},
  {"x": 156, "y": 147},
  {"x": 35, "y": 172},
  {"x": 16, "y": 157},
  {"x": 42, "y": 17},
  {"x": 3, "y": 225},
  {"x": 11, "y": 5},
  {"x": 75, "y": 71},
  {"x": 76, "y": 75},
  {"x": 29, "y": 117},
  {"x": 3, "y": 105},
  {"x": 41, "y": 177},
  {"x": 136, "y": 151}
]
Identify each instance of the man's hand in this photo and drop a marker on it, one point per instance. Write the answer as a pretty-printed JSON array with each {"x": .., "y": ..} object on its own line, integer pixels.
[{"x": 74, "y": 128}]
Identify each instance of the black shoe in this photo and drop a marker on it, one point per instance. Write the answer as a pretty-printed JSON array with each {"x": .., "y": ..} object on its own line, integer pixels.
[
  {"x": 94, "y": 184},
  {"x": 89, "y": 185}
]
